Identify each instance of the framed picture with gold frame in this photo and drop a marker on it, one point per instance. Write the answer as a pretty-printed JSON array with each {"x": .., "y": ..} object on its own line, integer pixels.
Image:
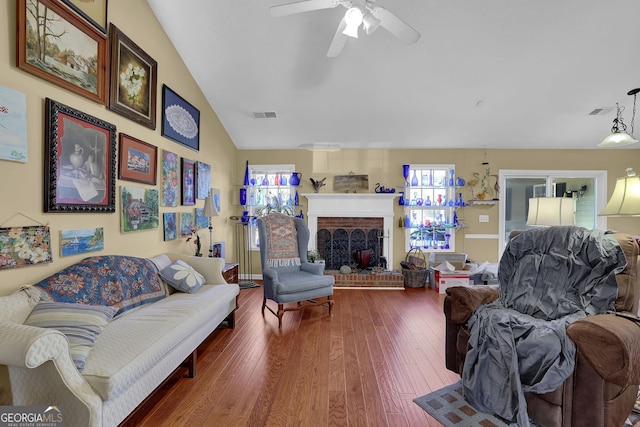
[{"x": 83, "y": 66}]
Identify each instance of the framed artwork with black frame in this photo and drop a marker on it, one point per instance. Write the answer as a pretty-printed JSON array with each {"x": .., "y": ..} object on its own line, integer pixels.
[
  {"x": 94, "y": 11},
  {"x": 188, "y": 168},
  {"x": 180, "y": 120},
  {"x": 79, "y": 161},
  {"x": 133, "y": 80},
  {"x": 83, "y": 67},
  {"x": 137, "y": 161}
]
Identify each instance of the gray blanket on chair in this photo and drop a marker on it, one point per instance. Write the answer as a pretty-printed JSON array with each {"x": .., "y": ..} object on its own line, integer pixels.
[{"x": 549, "y": 277}]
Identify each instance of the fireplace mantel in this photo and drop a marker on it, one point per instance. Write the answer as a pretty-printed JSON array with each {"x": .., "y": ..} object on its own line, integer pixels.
[{"x": 352, "y": 205}]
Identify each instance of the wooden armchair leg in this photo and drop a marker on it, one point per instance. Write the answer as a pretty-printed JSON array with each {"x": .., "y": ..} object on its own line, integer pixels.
[
  {"x": 330, "y": 301},
  {"x": 280, "y": 314},
  {"x": 264, "y": 304}
]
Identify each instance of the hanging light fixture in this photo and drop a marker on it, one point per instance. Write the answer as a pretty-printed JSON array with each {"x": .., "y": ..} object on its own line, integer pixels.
[
  {"x": 353, "y": 18},
  {"x": 619, "y": 136}
]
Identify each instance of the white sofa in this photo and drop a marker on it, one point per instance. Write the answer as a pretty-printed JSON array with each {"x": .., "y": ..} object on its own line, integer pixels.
[{"x": 131, "y": 357}]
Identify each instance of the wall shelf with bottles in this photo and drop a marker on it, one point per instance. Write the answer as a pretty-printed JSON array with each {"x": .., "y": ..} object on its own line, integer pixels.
[{"x": 431, "y": 197}]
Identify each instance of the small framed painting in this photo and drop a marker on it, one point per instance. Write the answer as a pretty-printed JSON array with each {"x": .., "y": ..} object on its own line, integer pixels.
[
  {"x": 218, "y": 250},
  {"x": 201, "y": 221},
  {"x": 203, "y": 179},
  {"x": 133, "y": 80},
  {"x": 215, "y": 195},
  {"x": 138, "y": 160},
  {"x": 170, "y": 226},
  {"x": 139, "y": 209},
  {"x": 180, "y": 120},
  {"x": 73, "y": 242},
  {"x": 170, "y": 179},
  {"x": 186, "y": 224},
  {"x": 188, "y": 182}
]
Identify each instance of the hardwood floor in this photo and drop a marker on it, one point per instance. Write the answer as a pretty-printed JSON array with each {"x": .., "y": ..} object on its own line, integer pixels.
[{"x": 361, "y": 366}]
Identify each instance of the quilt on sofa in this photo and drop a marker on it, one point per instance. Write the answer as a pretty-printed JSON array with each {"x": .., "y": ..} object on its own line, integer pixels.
[{"x": 124, "y": 282}]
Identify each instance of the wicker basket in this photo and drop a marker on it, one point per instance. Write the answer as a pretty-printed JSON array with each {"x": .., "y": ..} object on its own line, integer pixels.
[{"x": 414, "y": 269}]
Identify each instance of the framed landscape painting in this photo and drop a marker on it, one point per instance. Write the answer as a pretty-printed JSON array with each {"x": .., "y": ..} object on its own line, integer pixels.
[
  {"x": 62, "y": 48},
  {"x": 80, "y": 159},
  {"x": 79, "y": 241},
  {"x": 139, "y": 209},
  {"x": 180, "y": 120},
  {"x": 138, "y": 160},
  {"x": 133, "y": 80}
]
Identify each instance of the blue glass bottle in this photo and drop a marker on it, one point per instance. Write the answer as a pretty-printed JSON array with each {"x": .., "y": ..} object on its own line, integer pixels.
[{"x": 414, "y": 180}]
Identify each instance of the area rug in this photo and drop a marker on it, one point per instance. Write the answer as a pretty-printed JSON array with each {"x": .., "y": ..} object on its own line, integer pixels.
[{"x": 449, "y": 407}]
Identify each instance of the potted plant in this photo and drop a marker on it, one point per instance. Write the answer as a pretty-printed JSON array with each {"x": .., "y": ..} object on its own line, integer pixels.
[{"x": 274, "y": 204}]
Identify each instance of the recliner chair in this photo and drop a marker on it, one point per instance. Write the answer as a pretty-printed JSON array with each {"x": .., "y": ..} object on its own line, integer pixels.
[
  {"x": 288, "y": 276},
  {"x": 603, "y": 387}
]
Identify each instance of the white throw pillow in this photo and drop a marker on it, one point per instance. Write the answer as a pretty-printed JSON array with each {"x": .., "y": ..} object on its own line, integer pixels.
[{"x": 182, "y": 277}]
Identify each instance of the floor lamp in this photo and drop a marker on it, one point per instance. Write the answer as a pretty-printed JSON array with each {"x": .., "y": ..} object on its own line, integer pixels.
[{"x": 209, "y": 212}]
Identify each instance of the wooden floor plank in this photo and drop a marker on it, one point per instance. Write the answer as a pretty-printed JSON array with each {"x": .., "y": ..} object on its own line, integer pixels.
[{"x": 361, "y": 366}]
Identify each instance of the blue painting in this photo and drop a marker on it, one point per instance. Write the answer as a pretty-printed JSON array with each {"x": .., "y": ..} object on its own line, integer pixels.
[
  {"x": 170, "y": 226},
  {"x": 13, "y": 125},
  {"x": 201, "y": 221},
  {"x": 180, "y": 120},
  {"x": 203, "y": 180},
  {"x": 73, "y": 242}
]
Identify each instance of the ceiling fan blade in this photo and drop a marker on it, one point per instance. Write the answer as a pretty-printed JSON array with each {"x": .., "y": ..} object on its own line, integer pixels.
[
  {"x": 302, "y": 6},
  {"x": 339, "y": 39},
  {"x": 395, "y": 25}
]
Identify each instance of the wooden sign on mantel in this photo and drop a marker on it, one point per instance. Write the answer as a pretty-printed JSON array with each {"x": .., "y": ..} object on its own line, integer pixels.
[{"x": 350, "y": 183}]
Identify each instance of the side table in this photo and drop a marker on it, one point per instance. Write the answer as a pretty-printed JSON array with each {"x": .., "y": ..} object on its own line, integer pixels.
[{"x": 230, "y": 273}]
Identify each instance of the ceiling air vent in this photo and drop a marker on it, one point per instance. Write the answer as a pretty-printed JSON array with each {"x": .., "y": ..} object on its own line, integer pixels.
[
  {"x": 601, "y": 111},
  {"x": 264, "y": 115}
]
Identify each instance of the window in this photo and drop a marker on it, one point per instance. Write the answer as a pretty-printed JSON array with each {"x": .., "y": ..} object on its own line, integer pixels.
[
  {"x": 430, "y": 203},
  {"x": 268, "y": 185},
  {"x": 586, "y": 188}
]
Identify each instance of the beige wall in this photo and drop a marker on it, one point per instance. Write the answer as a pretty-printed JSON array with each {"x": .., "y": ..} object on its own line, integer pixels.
[
  {"x": 385, "y": 167},
  {"x": 22, "y": 183},
  {"x": 21, "y": 191}
]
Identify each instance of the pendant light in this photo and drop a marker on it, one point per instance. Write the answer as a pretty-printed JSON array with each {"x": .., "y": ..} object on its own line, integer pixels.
[{"x": 619, "y": 136}]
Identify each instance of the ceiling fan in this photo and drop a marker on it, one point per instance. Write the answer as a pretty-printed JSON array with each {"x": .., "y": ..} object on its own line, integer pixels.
[{"x": 358, "y": 13}]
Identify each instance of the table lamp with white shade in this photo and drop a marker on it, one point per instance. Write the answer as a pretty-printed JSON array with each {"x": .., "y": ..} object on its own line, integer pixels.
[
  {"x": 209, "y": 212},
  {"x": 550, "y": 211}
]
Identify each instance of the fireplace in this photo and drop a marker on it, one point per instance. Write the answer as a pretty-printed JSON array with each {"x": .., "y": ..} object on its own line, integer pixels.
[
  {"x": 351, "y": 222},
  {"x": 352, "y": 241}
]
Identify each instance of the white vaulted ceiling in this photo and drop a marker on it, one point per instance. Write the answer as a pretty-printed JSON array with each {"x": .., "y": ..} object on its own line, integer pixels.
[{"x": 484, "y": 73}]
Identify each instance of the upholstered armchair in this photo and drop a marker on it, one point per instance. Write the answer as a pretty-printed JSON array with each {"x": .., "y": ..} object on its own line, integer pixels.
[
  {"x": 603, "y": 387},
  {"x": 287, "y": 276}
]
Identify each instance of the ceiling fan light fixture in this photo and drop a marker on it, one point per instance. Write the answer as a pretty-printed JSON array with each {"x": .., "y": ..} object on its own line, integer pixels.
[
  {"x": 370, "y": 23},
  {"x": 353, "y": 18}
]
